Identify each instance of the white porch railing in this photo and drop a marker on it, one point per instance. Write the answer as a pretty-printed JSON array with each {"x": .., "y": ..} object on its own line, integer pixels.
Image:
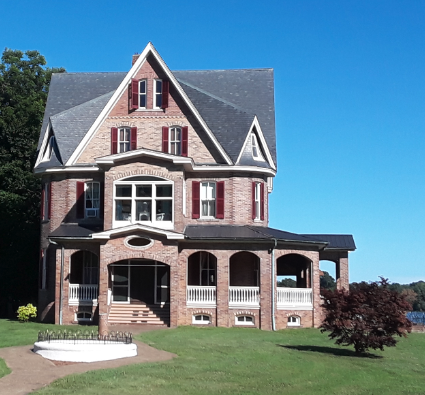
[
  {"x": 83, "y": 293},
  {"x": 290, "y": 298},
  {"x": 244, "y": 296},
  {"x": 201, "y": 296}
]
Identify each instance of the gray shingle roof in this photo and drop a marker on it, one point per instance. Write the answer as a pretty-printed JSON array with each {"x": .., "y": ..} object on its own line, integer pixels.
[
  {"x": 227, "y": 100},
  {"x": 338, "y": 242},
  {"x": 252, "y": 90}
]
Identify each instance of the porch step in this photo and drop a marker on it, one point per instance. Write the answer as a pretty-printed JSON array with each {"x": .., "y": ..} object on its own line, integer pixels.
[{"x": 139, "y": 314}]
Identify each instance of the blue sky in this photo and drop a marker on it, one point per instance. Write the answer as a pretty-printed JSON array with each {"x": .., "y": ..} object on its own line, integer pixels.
[{"x": 349, "y": 90}]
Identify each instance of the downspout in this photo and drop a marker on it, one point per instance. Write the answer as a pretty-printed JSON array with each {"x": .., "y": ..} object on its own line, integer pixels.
[
  {"x": 273, "y": 285},
  {"x": 61, "y": 280}
]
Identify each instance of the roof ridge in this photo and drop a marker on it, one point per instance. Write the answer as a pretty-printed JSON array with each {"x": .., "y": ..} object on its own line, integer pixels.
[
  {"x": 211, "y": 70},
  {"x": 91, "y": 72},
  {"x": 213, "y": 96},
  {"x": 79, "y": 105}
]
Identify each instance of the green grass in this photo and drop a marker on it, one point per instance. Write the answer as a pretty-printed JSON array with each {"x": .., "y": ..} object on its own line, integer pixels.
[
  {"x": 249, "y": 361},
  {"x": 14, "y": 333}
]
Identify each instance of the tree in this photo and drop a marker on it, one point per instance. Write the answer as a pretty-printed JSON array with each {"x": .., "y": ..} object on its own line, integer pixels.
[
  {"x": 327, "y": 281},
  {"x": 369, "y": 316},
  {"x": 287, "y": 282},
  {"x": 24, "y": 83}
]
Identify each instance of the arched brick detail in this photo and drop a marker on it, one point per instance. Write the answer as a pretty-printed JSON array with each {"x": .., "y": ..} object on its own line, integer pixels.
[
  {"x": 251, "y": 252},
  {"x": 145, "y": 172},
  {"x": 123, "y": 255}
]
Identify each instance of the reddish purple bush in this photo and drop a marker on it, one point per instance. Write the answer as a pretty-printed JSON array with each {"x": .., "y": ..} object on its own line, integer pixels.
[{"x": 367, "y": 317}]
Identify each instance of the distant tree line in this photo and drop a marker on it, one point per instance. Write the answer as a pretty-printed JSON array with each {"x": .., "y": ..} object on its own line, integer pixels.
[{"x": 414, "y": 292}]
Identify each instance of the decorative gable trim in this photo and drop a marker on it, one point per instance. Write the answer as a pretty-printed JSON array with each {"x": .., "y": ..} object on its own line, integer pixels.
[
  {"x": 255, "y": 124},
  {"x": 44, "y": 144},
  {"x": 137, "y": 227},
  {"x": 149, "y": 49}
]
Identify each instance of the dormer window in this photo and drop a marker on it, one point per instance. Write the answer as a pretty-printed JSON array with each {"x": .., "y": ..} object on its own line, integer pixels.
[
  {"x": 49, "y": 149},
  {"x": 142, "y": 93},
  {"x": 254, "y": 146}
]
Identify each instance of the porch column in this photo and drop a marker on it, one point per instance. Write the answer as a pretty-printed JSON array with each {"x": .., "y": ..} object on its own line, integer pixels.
[
  {"x": 102, "y": 300},
  {"x": 342, "y": 280},
  {"x": 266, "y": 290},
  {"x": 317, "y": 309},
  {"x": 222, "y": 290}
]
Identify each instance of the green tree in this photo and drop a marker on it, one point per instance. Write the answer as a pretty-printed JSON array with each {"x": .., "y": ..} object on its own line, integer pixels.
[
  {"x": 24, "y": 83},
  {"x": 327, "y": 281},
  {"x": 287, "y": 282}
]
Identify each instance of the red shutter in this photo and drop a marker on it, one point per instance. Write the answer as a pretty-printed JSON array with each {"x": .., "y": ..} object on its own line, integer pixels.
[
  {"x": 134, "y": 94},
  {"x": 185, "y": 134},
  {"x": 165, "y": 139},
  {"x": 196, "y": 199},
  {"x": 220, "y": 200},
  {"x": 49, "y": 201},
  {"x": 133, "y": 137},
  {"x": 102, "y": 198},
  {"x": 80, "y": 199},
  {"x": 262, "y": 201},
  {"x": 254, "y": 212},
  {"x": 114, "y": 140},
  {"x": 165, "y": 93},
  {"x": 129, "y": 97},
  {"x": 42, "y": 202}
]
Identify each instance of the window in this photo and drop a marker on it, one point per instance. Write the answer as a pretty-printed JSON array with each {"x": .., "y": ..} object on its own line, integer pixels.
[
  {"x": 294, "y": 321},
  {"x": 83, "y": 316},
  {"x": 255, "y": 149},
  {"x": 144, "y": 199},
  {"x": 48, "y": 153},
  {"x": 123, "y": 139},
  {"x": 175, "y": 140},
  {"x": 202, "y": 269},
  {"x": 201, "y": 319},
  {"x": 46, "y": 201},
  {"x": 92, "y": 199},
  {"x": 244, "y": 320},
  {"x": 142, "y": 93},
  {"x": 208, "y": 199},
  {"x": 84, "y": 268},
  {"x": 157, "y": 94},
  {"x": 258, "y": 201},
  {"x": 89, "y": 199}
]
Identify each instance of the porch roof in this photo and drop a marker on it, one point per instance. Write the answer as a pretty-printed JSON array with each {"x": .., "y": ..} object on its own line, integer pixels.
[{"x": 76, "y": 231}]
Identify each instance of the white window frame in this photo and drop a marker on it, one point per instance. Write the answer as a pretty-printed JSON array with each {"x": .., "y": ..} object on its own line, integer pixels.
[
  {"x": 93, "y": 200},
  {"x": 244, "y": 321},
  {"x": 208, "y": 197},
  {"x": 294, "y": 320},
  {"x": 123, "y": 141},
  {"x": 155, "y": 93},
  {"x": 154, "y": 220},
  {"x": 202, "y": 321},
  {"x": 177, "y": 142},
  {"x": 255, "y": 149},
  {"x": 49, "y": 150},
  {"x": 145, "y": 93},
  {"x": 257, "y": 201}
]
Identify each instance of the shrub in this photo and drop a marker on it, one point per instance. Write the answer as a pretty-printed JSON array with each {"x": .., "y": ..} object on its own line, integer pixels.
[
  {"x": 27, "y": 312},
  {"x": 369, "y": 316}
]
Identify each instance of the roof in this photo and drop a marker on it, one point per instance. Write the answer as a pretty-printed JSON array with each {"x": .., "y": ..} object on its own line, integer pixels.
[
  {"x": 227, "y": 100},
  {"x": 75, "y": 231},
  {"x": 337, "y": 242}
]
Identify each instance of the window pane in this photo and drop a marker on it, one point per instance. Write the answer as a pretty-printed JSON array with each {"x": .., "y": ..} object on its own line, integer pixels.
[
  {"x": 96, "y": 190},
  {"x": 143, "y": 210},
  {"x": 142, "y": 101},
  {"x": 211, "y": 209},
  {"x": 123, "y": 190},
  {"x": 123, "y": 210},
  {"x": 164, "y": 190},
  {"x": 240, "y": 319},
  {"x": 142, "y": 87},
  {"x": 204, "y": 208},
  {"x": 248, "y": 319},
  {"x": 158, "y": 100},
  {"x": 144, "y": 190},
  {"x": 158, "y": 86},
  {"x": 164, "y": 210}
]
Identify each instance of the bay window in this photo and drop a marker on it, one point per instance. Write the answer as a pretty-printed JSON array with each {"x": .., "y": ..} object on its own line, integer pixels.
[{"x": 144, "y": 199}]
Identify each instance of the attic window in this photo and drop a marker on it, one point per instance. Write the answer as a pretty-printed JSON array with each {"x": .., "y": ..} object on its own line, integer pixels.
[
  {"x": 49, "y": 149},
  {"x": 254, "y": 146}
]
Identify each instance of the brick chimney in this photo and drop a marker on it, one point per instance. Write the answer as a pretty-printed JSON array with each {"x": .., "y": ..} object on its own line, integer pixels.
[{"x": 135, "y": 57}]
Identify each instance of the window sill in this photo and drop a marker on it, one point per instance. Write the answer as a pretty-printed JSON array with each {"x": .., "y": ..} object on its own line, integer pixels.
[
  {"x": 209, "y": 219},
  {"x": 149, "y": 110}
]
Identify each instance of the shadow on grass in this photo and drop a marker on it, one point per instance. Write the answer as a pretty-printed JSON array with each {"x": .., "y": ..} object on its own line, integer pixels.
[{"x": 333, "y": 351}]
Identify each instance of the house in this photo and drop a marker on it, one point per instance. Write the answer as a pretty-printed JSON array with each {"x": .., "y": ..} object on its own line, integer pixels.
[{"x": 155, "y": 191}]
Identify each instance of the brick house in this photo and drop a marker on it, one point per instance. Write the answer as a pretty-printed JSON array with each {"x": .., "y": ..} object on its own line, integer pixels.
[{"x": 155, "y": 188}]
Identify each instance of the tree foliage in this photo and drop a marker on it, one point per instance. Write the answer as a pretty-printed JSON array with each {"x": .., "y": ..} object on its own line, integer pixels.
[
  {"x": 367, "y": 317},
  {"x": 287, "y": 282},
  {"x": 24, "y": 83},
  {"x": 327, "y": 281}
]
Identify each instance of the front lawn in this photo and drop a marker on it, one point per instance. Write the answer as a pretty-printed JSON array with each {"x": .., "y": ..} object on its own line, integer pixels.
[{"x": 249, "y": 361}]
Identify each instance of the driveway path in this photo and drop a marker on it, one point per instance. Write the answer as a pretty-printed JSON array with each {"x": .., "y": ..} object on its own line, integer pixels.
[{"x": 31, "y": 372}]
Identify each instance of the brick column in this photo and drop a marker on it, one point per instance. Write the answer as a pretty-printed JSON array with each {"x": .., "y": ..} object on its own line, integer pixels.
[
  {"x": 222, "y": 290},
  {"x": 177, "y": 288},
  {"x": 266, "y": 290},
  {"x": 102, "y": 299},
  {"x": 342, "y": 278},
  {"x": 317, "y": 309}
]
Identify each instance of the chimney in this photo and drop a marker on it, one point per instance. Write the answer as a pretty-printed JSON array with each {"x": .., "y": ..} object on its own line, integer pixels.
[{"x": 135, "y": 57}]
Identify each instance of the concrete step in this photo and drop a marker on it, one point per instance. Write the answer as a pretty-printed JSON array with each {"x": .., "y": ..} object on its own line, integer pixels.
[{"x": 140, "y": 313}]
